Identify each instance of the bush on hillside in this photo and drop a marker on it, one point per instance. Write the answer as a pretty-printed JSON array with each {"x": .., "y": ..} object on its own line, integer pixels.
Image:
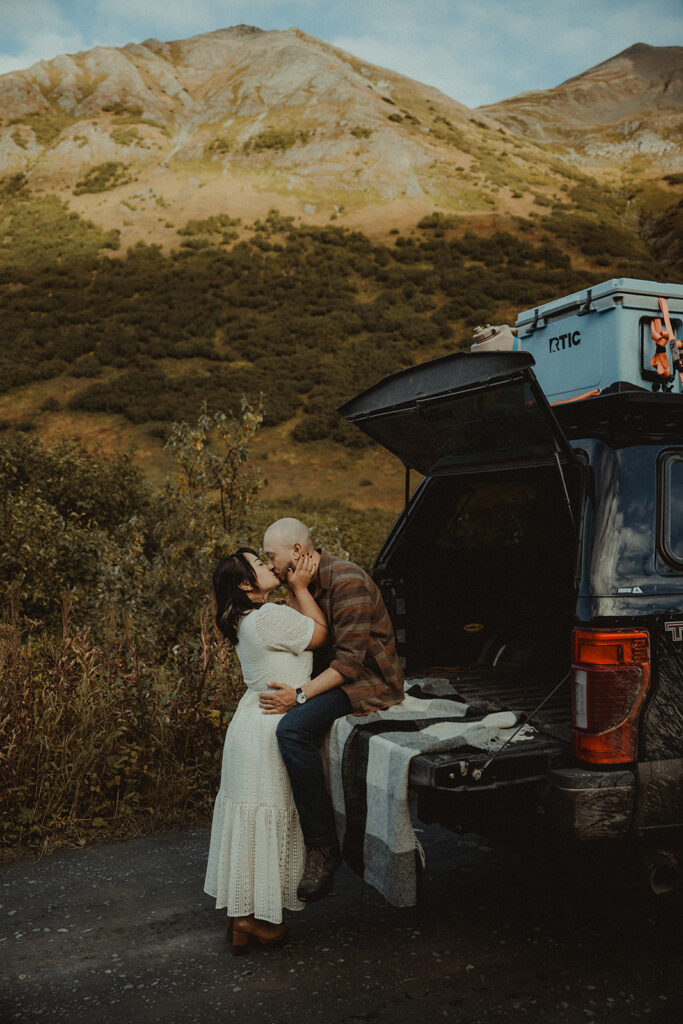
[
  {"x": 96, "y": 530},
  {"x": 14, "y": 185},
  {"x": 124, "y": 137},
  {"x": 276, "y": 138},
  {"x": 209, "y": 226},
  {"x": 103, "y": 177}
]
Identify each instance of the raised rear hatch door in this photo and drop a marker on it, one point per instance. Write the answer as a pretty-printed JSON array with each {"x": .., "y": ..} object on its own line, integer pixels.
[{"x": 461, "y": 411}]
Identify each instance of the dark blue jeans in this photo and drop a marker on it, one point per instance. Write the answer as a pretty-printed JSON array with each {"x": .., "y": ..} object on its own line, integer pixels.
[{"x": 297, "y": 735}]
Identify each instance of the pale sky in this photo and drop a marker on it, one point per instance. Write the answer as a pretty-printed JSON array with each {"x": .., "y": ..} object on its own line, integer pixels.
[{"x": 476, "y": 51}]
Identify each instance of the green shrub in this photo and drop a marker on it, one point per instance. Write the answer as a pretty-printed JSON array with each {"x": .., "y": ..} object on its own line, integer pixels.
[
  {"x": 46, "y": 126},
  {"x": 541, "y": 200},
  {"x": 445, "y": 131},
  {"x": 95, "y": 529},
  {"x": 125, "y": 137},
  {"x": 437, "y": 220},
  {"x": 210, "y": 226},
  {"x": 276, "y": 138},
  {"x": 103, "y": 177},
  {"x": 86, "y": 366},
  {"x": 121, "y": 109},
  {"x": 14, "y": 186},
  {"x": 275, "y": 223},
  {"x": 196, "y": 243}
]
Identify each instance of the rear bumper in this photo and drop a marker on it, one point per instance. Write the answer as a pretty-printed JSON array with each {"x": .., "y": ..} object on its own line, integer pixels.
[
  {"x": 645, "y": 800},
  {"x": 592, "y": 804},
  {"x": 532, "y": 785}
]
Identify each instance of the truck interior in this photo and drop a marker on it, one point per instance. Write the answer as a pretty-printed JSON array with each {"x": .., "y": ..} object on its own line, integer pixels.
[
  {"x": 483, "y": 565},
  {"x": 485, "y": 568}
]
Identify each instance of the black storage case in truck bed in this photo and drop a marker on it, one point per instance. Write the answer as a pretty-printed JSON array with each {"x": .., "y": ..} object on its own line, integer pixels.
[{"x": 535, "y": 534}]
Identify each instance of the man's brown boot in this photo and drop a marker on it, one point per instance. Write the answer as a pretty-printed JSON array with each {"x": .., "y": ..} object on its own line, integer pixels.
[{"x": 321, "y": 864}]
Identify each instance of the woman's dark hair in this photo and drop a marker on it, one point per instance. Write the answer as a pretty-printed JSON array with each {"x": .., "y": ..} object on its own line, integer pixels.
[{"x": 232, "y": 602}]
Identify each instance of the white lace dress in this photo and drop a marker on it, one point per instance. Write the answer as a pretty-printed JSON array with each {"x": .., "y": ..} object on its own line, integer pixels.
[{"x": 256, "y": 854}]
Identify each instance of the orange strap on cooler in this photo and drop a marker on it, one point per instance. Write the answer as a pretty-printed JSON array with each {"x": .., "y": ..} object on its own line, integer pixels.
[
  {"x": 577, "y": 398},
  {"x": 660, "y": 361}
]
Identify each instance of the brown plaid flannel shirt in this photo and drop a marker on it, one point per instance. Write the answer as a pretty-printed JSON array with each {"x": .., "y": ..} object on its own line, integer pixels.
[{"x": 363, "y": 648}]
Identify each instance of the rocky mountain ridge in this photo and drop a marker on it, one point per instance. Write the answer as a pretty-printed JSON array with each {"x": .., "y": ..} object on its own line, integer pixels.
[
  {"x": 278, "y": 118},
  {"x": 626, "y": 106},
  {"x": 218, "y": 99}
]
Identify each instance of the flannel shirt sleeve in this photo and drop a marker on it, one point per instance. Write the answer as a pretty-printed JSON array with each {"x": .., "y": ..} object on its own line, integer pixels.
[
  {"x": 352, "y": 616},
  {"x": 282, "y": 628}
]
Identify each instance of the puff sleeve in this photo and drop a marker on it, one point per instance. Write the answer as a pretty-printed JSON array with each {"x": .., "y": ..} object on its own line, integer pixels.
[{"x": 282, "y": 628}]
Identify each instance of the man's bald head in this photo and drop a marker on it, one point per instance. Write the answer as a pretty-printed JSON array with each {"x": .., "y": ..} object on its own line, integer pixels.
[
  {"x": 284, "y": 542},
  {"x": 290, "y": 531}
]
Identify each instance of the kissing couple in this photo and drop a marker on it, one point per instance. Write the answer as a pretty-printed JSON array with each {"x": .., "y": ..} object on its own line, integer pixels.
[{"x": 330, "y": 651}]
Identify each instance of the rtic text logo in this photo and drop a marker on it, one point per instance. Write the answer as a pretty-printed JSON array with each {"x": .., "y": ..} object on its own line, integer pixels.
[
  {"x": 563, "y": 341},
  {"x": 676, "y": 630}
]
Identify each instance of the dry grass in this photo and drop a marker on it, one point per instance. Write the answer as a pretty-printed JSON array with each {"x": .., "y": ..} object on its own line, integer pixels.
[{"x": 95, "y": 742}]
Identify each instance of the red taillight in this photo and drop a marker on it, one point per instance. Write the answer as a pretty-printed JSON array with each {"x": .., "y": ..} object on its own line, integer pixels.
[{"x": 611, "y": 674}]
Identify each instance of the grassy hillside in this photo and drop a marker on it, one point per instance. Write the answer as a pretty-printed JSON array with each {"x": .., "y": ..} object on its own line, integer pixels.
[{"x": 102, "y": 342}]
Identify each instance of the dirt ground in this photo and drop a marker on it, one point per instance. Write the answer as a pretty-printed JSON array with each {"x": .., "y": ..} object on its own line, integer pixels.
[{"x": 122, "y": 932}]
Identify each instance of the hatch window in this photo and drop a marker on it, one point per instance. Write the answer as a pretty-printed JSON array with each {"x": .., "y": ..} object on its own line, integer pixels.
[
  {"x": 502, "y": 422},
  {"x": 671, "y": 507}
]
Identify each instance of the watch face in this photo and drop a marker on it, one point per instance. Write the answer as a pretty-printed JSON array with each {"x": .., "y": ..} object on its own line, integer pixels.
[{"x": 301, "y": 698}]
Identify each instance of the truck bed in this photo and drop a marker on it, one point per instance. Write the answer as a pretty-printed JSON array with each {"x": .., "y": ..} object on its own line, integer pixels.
[
  {"x": 524, "y": 762},
  {"x": 506, "y": 690}
]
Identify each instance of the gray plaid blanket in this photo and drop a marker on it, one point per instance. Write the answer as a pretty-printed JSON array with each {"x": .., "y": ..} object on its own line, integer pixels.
[{"x": 369, "y": 760}]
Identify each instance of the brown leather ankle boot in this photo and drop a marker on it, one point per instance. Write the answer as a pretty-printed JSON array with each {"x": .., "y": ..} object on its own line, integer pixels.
[{"x": 265, "y": 932}]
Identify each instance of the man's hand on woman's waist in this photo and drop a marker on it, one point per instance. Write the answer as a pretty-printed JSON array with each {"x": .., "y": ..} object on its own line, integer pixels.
[{"x": 279, "y": 697}]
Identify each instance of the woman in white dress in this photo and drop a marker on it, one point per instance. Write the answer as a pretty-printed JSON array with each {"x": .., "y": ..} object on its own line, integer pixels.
[{"x": 256, "y": 854}]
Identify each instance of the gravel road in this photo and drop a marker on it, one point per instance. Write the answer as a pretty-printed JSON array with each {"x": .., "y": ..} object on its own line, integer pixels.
[{"x": 122, "y": 932}]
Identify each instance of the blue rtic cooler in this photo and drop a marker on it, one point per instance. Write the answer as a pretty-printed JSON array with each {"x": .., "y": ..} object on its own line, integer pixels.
[{"x": 584, "y": 342}]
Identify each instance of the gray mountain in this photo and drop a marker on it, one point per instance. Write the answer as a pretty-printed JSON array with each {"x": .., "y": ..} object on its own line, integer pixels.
[
  {"x": 146, "y": 136},
  {"x": 626, "y": 106}
]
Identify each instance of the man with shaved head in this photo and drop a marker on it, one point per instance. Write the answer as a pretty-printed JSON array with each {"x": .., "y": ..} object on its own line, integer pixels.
[{"x": 358, "y": 673}]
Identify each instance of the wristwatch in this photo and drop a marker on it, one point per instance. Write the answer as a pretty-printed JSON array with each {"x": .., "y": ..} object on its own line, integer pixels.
[{"x": 301, "y": 697}]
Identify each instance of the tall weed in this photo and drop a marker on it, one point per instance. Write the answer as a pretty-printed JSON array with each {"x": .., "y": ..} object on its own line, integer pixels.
[{"x": 95, "y": 741}]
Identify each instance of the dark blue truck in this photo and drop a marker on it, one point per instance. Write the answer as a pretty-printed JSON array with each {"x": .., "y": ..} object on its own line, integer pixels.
[{"x": 538, "y": 567}]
